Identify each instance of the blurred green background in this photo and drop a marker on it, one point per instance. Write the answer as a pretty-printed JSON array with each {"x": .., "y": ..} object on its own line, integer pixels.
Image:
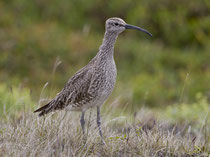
[{"x": 49, "y": 40}]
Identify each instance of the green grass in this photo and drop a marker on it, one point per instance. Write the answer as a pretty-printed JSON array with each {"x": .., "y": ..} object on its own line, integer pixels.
[{"x": 14, "y": 99}]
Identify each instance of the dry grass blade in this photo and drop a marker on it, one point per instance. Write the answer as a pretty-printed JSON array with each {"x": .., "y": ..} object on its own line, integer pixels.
[{"x": 61, "y": 135}]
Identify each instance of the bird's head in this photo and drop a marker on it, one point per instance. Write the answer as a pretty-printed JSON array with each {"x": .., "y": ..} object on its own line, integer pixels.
[{"x": 117, "y": 25}]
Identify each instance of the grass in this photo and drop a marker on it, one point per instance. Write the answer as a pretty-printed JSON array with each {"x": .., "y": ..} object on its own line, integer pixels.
[
  {"x": 176, "y": 130},
  {"x": 60, "y": 134}
]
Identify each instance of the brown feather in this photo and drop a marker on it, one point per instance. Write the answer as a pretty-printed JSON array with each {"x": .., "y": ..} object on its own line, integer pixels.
[{"x": 44, "y": 109}]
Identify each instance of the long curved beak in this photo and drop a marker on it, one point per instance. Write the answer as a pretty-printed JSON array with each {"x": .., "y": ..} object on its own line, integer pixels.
[{"x": 127, "y": 26}]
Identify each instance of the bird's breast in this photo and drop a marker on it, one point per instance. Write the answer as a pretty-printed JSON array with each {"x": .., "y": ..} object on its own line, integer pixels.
[
  {"x": 108, "y": 79},
  {"x": 111, "y": 74}
]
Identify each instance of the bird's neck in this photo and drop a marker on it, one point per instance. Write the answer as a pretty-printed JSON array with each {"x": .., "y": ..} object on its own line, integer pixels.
[{"x": 107, "y": 47}]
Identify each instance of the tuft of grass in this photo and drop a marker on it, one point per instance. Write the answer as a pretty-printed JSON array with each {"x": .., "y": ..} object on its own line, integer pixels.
[{"x": 60, "y": 135}]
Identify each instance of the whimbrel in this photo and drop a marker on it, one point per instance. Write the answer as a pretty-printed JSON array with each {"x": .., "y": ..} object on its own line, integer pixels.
[{"x": 92, "y": 85}]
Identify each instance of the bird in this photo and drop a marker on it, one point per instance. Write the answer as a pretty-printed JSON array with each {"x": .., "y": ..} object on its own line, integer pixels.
[{"x": 92, "y": 85}]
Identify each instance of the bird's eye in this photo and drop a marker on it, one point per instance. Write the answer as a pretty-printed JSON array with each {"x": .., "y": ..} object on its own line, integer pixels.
[{"x": 116, "y": 24}]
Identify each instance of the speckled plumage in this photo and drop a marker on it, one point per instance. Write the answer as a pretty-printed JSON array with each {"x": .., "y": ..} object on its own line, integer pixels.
[{"x": 92, "y": 85}]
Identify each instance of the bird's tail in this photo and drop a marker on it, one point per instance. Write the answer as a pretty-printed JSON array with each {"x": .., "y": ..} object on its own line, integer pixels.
[{"x": 45, "y": 109}]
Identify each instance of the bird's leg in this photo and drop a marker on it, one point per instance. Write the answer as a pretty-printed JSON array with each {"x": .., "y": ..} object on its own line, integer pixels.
[
  {"x": 99, "y": 121},
  {"x": 82, "y": 121}
]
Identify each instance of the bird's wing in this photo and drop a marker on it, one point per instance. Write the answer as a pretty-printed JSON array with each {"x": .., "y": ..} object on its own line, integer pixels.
[{"x": 75, "y": 92}]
